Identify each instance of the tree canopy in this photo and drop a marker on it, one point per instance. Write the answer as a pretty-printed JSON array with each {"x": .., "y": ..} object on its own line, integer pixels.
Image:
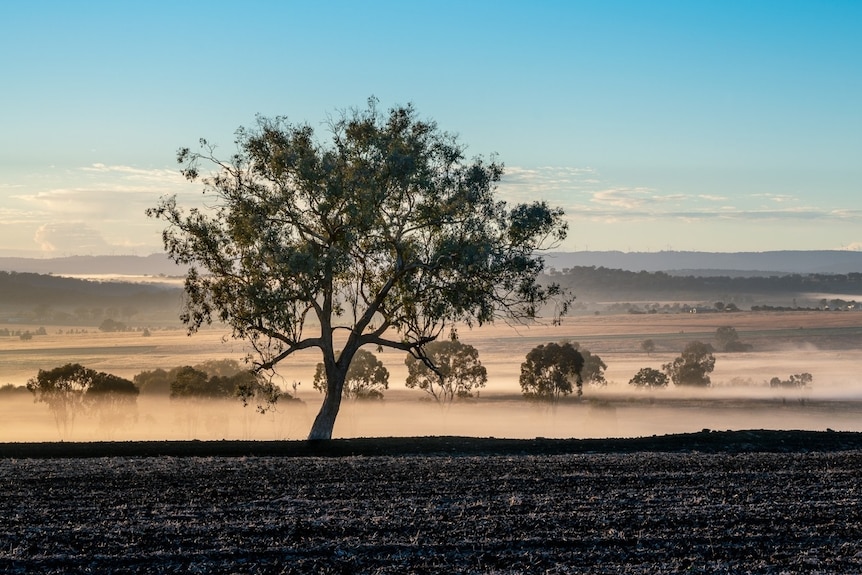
[
  {"x": 458, "y": 370},
  {"x": 385, "y": 235},
  {"x": 692, "y": 366},
  {"x": 72, "y": 388},
  {"x": 550, "y": 370},
  {"x": 366, "y": 378},
  {"x": 649, "y": 378}
]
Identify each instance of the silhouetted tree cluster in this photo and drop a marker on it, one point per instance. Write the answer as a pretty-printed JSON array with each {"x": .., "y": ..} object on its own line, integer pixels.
[
  {"x": 552, "y": 371},
  {"x": 693, "y": 366},
  {"x": 366, "y": 378},
  {"x": 796, "y": 381},
  {"x": 111, "y": 325},
  {"x": 649, "y": 378},
  {"x": 454, "y": 370},
  {"x": 728, "y": 340},
  {"x": 589, "y": 281},
  {"x": 211, "y": 379},
  {"x": 72, "y": 389}
]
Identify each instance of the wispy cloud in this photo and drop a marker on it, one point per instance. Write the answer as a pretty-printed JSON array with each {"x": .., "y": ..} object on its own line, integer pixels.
[
  {"x": 70, "y": 237},
  {"x": 584, "y": 194},
  {"x": 94, "y": 209}
]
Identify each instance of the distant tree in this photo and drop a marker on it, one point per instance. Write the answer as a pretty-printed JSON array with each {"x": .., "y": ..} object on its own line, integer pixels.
[
  {"x": 73, "y": 388},
  {"x": 650, "y": 378},
  {"x": 726, "y": 334},
  {"x": 550, "y": 371},
  {"x": 220, "y": 367},
  {"x": 798, "y": 381},
  {"x": 367, "y": 377},
  {"x": 62, "y": 389},
  {"x": 25, "y": 336},
  {"x": 738, "y": 346},
  {"x": 212, "y": 379},
  {"x": 189, "y": 382},
  {"x": 106, "y": 385},
  {"x": 593, "y": 372},
  {"x": 457, "y": 372},
  {"x": 155, "y": 382},
  {"x": 112, "y": 400},
  {"x": 11, "y": 389},
  {"x": 253, "y": 387},
  {"x": 693, "y": 366},
  {"x": 648, "y": 346},
  {"x": 728, "y": 340},
  {"x": 111, "y": 325}
]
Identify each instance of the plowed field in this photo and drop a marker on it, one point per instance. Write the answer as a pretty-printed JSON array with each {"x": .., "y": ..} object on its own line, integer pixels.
[{"x": 759, "y": 504}]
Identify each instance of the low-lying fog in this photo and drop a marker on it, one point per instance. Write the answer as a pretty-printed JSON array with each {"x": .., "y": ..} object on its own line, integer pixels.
[{"x": 739, "y": 399}]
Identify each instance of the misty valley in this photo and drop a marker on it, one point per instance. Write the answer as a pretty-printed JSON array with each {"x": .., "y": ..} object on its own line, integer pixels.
[{"x": 763, "y": 332}]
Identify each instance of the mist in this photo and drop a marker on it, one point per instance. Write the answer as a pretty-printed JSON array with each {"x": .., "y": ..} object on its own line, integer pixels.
[
  {"x": 739, "y": 398},
  {"x": 612, "y": 411}
]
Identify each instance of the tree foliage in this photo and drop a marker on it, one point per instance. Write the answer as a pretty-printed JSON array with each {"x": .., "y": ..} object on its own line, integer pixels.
[
  {"x": 457, "y": 370},
  {"x": 213, "y": 379},
  {"x": 550, "y": 371},
  {"x": 648, "y": 377},
  {"x": 796, "y": 381},
  {"x": 385, "y": 233},
  {"x": 728, "y": 340},
  {"x": 593, "y": 372},
  {"x": 648, "y": 345},
  {"x": 367, "y": 377},
  {"x": 693, "y": 366},
  {"x": 72, "y": 388}
]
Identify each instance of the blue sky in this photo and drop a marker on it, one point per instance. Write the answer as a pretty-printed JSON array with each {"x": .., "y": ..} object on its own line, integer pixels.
[{"x": 691, "y": 125}]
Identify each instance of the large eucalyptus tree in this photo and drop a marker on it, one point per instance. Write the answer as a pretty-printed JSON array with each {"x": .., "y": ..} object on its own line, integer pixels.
[{"x": 383, "y": 235}]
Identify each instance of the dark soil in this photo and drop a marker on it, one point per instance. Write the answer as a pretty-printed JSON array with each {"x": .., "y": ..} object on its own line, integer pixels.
[
  {"x": 705, "y": 441},
  {"x": 729, "y": 502}
]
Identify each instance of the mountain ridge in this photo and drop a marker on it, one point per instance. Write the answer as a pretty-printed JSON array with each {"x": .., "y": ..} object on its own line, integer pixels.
[
  {"x": 680, "y": 262},
  {"x": 715, "y": 263}
]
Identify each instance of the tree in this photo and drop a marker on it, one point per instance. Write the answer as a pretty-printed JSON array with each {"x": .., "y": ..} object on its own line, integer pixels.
[
  {"x": 549, "y": 371},
  {"x": 154, "y": 382},
  {"x": 190, "y": 382},
  {"x": 693, "y": 366},
  {"x": 367, "y": 377},
  {"x": 594, "y": 368},
  {"x": 386, "y": 235},
  {"x": 797, "y": 381},
  {"x": 112, "y": 399},
  {"x": 648, "y": 346},
  {"x": 650, "y": 378},
  {"x": 72, "y": 388},
  {"x": 111, "y": 325},
  {"x": 728, "y": 340},
  {"x": 212, "y": 379},
  {"x": 458, "y": 370}
]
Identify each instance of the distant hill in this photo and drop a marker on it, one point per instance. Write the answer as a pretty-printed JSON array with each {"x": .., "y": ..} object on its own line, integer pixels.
[
  {"x": 155, "y": 264},
  {"x": 715, "y": 263},
  {"x": 737, "y": 264}
]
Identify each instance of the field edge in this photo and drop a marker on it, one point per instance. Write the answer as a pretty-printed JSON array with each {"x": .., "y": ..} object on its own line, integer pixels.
[{"x": 706, "y": 441}]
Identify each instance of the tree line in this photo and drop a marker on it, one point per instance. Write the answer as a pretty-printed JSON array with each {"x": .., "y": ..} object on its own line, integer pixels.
[
  {"x": 588, "y": 281},
  {"x": 549, "y": 373}
]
